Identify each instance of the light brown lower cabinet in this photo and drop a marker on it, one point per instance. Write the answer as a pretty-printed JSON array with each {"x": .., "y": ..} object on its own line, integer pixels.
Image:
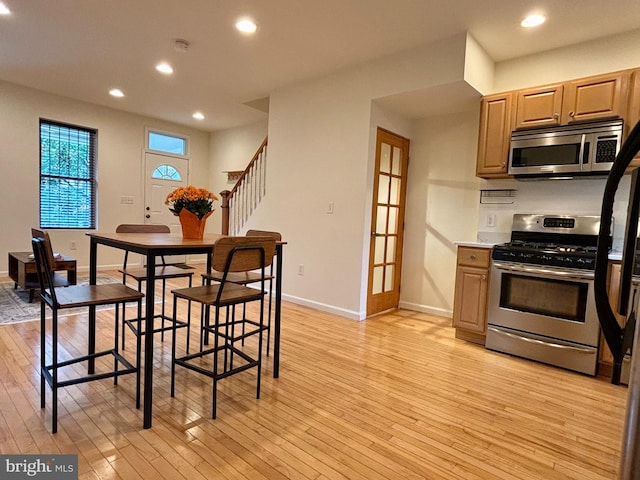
[
  {"x": 471, "y": 293},
  {"x": 605, "y": 358}
]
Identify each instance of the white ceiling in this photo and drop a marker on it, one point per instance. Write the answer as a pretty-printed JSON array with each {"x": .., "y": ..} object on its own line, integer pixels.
[{"x": 82, "y": 48}]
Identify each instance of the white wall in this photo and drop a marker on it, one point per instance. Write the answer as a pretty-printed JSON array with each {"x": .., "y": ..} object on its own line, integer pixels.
[
  {"x": 442, "y": 208},
  {"x": 618, "y": 52},
  {"x": 120, "y": 156}
]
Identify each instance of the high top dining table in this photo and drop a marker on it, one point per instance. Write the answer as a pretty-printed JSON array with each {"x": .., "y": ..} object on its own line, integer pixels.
[{"x": 153, "y": 245}]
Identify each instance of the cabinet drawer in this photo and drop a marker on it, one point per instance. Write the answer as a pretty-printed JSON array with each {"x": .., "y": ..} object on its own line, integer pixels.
[{"x": 474, "y": 257}]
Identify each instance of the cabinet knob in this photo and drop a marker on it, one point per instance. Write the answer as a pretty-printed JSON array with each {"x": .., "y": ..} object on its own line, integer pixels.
[
  {"x": 503, "y": 164},
  {"x": 557, "y": 115},
  {"x": 473, "y": 257},
  {"x": 147, "y": 216},
  {"x": 483, "y": 278},
  {"x": 572, "y": 114}
]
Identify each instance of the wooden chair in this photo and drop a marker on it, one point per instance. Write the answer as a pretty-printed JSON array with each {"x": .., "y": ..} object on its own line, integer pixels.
[
  {"x": 231, "y": 255},
  {"x": 163, "y": 272},
  {"x": 69, "y": 297},
  {"x": 247, "y": 278}
]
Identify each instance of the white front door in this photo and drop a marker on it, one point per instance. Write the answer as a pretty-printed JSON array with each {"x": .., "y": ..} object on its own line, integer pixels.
[{"x": 163, "y": 173}]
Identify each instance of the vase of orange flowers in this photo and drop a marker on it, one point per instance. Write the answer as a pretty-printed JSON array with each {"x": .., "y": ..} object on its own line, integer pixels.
[{"x": 193, "y": 206}]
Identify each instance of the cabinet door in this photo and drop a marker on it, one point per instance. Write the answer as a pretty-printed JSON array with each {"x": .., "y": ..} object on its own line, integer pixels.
[
  {"x": 594, "y": 98},
  {"x": 613, "y": 290},
  {"x": 633, "y": 113},
  {"x": 496, "y": 123},
  {"x": 539, "y": 107},
  {"x": 470, "y": 300}
]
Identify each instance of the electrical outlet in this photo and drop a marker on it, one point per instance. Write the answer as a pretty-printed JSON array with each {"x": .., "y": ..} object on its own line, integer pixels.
[
  {"x": 126, "y": 200},
  {"x": 300, "y": 269},
  {"x": 330, "y": 208},
  {"x": 491, "y": 220},
  {"x": 72, "y": 246}
]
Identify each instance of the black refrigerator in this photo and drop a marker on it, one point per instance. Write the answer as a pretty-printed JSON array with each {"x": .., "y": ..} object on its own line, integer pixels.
[{"x": 620, "y": 338}]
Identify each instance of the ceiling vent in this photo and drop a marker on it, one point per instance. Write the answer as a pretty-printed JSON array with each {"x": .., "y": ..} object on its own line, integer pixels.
[{"x": 181, "y": 45}]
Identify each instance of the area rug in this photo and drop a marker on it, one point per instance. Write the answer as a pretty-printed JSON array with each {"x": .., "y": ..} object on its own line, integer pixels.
[{"x": 15, "y": 306}]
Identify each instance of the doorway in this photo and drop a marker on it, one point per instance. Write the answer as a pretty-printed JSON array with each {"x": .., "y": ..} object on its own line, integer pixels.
[
  {"x": 162, "y": 174},
  {"x": 387, "y": 222}
]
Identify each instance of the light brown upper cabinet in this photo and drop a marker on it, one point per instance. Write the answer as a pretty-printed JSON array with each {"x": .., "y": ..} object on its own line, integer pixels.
[
  {"x": 539, "y": 107},
  {"x": 497, "y": 119},
  {"x": 595, "y": 98},
  {"x": 633, "y": 112}
]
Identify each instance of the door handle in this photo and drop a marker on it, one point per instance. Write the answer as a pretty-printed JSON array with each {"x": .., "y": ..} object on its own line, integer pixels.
[{"x": 376, "y": 234}]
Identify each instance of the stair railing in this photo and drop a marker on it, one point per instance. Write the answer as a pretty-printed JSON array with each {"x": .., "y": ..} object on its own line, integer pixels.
[{"x": 238, "y": 204}]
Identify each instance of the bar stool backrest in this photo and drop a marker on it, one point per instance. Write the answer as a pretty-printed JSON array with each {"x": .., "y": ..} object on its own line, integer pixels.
[
  {"x": 242, "y": 254},
  {"x": 41, "y": 247},
  {"x": 37, "y": 233},
  {"x": 264, "y": 233},
  {"x": 142, "y": 228}
]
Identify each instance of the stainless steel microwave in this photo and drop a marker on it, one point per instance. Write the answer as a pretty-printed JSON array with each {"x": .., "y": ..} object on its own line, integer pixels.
[{"x": 584, "y": 149}]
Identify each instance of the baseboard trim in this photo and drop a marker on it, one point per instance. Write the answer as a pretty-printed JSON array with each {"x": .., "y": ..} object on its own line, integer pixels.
[
  {"x": 439, "y": 312},
  {"x": 342, "y": 312}
]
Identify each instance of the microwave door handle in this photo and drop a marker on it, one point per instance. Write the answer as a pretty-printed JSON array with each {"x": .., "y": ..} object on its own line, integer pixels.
[{"x": 581, "y": 154}]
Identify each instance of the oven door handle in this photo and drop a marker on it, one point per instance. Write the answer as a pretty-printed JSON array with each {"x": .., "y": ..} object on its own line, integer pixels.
[
  {"x": 540, "y": 342},
  {"x": 582, "y": 275}
]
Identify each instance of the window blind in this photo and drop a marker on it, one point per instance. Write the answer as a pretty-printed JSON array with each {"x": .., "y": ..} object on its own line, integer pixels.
[{"x": 67, "y": 176}]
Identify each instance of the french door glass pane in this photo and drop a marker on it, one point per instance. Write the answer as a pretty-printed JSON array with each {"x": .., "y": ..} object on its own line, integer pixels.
[
  {"x": 377, "y": 280},
  {"x": 381, "y": 221},
  {"x": 397, "y": 166},
  {"x": 379, "y": 250},
  {"x": 393, "y": 220},
  {"x": 391, "y": 249},
  {"x": 385, "y": 158},
  {"x": 388, "y": 278},
  {"x": 383, "y": 189},
  {"x": 394, "y": 197}
]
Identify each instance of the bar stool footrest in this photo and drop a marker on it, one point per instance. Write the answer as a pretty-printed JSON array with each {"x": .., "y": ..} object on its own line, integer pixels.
[
  {"x": 128, "y": 368},
  {"x": 185, "y": 362},
  {"x": 131, "y": 323}
]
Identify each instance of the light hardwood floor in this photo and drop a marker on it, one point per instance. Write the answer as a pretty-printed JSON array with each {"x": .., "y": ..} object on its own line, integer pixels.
[{"x": 392, "y": 397}]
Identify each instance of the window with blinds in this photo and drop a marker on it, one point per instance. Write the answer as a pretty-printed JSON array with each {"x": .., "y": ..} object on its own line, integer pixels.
[{"x": 67, "y": 176}]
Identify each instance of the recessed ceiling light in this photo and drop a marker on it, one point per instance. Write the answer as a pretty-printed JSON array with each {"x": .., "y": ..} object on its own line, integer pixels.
[
  {"x": 4, "y": 10},
  {"x": 198, "y": 116},
  {"x": 116, "y": 92},
  {"x": 246, "y": 25},
  {"x": 165, "y": 68},
  {"x": 533, "y": 20}
]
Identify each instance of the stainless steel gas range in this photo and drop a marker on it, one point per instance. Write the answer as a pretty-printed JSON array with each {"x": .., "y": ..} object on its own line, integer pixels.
[{"x": 541, "y": 300}]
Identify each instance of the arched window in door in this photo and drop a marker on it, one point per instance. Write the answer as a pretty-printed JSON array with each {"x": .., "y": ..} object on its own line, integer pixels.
[{"x": 166, "y": 172}]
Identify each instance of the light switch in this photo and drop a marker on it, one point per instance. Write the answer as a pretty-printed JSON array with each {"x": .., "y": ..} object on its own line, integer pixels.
[{"x": 330, "y": 208}]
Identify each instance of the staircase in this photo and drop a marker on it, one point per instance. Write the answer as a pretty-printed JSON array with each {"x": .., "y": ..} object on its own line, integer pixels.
[{"x": 238, "y": 204}]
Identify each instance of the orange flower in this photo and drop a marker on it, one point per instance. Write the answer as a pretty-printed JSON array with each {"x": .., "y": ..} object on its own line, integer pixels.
[{"x": 194, "y": 199}]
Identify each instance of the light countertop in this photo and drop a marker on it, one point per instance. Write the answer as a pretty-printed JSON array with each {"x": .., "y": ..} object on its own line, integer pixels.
[{"x": 475, "y": 244}]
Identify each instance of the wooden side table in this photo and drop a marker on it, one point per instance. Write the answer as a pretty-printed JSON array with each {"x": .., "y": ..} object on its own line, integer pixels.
[{"x": 22, "y": 270}]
